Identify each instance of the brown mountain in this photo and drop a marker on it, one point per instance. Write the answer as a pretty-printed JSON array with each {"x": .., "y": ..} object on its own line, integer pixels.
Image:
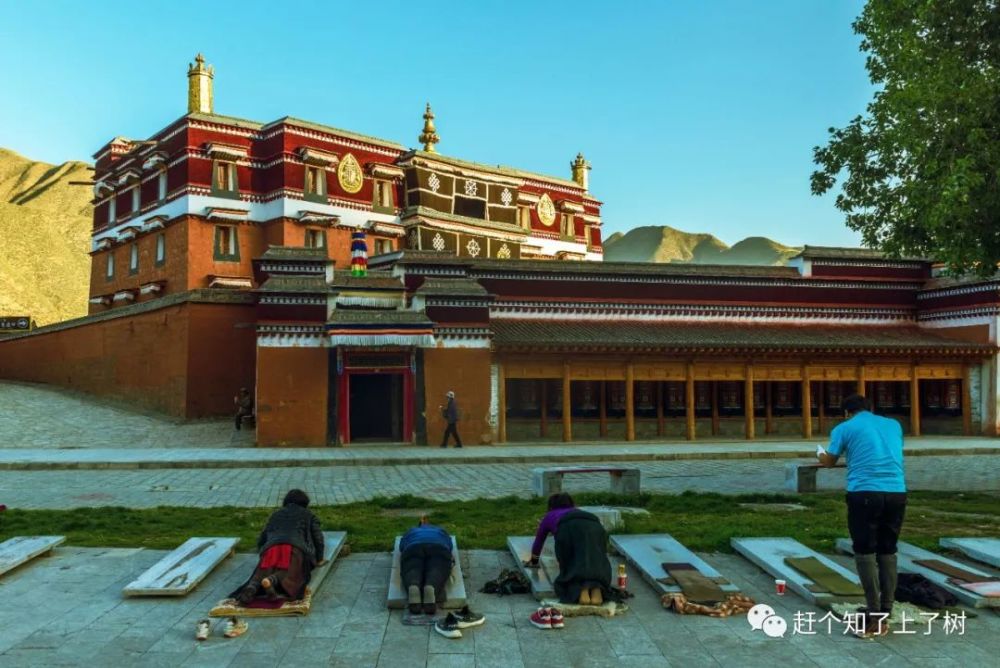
[
  {"x": 662, "y": 243},
  {"x": 44, "y": 238}
]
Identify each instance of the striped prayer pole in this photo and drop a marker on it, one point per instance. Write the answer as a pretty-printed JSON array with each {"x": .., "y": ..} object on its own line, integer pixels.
[{"x": 359, "y": 254}]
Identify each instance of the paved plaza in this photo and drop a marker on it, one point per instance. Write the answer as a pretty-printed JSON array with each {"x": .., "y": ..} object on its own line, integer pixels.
[{"x": 70, "y": 611}]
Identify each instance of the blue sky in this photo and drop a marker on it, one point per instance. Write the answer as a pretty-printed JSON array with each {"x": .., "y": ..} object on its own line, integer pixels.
[{"x": 699, "y": 115}]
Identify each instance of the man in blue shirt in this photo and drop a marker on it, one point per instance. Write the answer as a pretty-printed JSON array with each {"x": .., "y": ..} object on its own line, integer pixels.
[
  {"x": 876, "y": 497},
  {"x": 425, "y": 565}
]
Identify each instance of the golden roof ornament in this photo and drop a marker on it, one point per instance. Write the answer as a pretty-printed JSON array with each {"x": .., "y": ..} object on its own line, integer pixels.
[
  {"x": 429, "y": 136},
  {"x": 200, "y": 94},
  {"x": 580, "y": 168}
]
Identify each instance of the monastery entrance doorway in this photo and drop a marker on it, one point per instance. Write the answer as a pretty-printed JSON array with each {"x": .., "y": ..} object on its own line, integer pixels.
[{"x": 376, "y": 407}]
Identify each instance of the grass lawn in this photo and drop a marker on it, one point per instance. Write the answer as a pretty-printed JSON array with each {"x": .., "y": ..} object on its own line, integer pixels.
[{"x": 703, "y": 522}]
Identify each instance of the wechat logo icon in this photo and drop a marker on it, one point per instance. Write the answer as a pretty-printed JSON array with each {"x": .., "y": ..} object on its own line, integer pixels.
[{"x": 763, "y": 618}]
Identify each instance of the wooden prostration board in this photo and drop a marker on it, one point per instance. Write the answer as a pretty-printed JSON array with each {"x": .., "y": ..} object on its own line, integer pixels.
[
  {"x": 985, "y": 550},
  {"x": 906, "y": 556},
  {"x": 182, "y": 570},
  {"x": 648, "y": 553},
  {"x": 22, "y": 549},
  {"x": 455, "y": 596},
  {"x": 770, "y": 553},
  {"x": 541, "y": 578}
]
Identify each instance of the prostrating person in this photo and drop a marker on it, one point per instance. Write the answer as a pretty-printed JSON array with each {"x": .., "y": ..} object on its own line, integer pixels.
[{"x": 425, "y": 565}]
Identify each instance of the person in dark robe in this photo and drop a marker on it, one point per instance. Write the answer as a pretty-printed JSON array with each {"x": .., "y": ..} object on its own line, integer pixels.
[
  {"x": 450, "y": 415},
  {"x": 290, "y": 547},
  {"x": 244, "y": 406},
  {"x": 581, "y": 547}
]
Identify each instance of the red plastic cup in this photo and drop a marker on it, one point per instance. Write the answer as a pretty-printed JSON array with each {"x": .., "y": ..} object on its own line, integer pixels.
[{"x": 779, "y": 587}]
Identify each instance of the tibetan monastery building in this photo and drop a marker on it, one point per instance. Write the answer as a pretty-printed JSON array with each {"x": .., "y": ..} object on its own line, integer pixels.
[{"x": 222, "y": 258}]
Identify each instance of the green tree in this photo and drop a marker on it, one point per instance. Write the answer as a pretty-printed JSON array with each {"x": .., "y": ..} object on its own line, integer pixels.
[{"x": 922, "y": 164}]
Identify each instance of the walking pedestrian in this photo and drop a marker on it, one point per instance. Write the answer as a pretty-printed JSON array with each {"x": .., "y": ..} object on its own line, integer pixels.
[
  {"x": 876, "y": 501},
  {"x": 244, "y": 406},
  {"x": 450, "y": 415}
]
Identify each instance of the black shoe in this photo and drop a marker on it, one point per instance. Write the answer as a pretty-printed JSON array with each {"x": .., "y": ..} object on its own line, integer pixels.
[
  {"x": 448, "y": 627},
  {"x": 466, "y": 618},
  {"x": 246, "y": 594}
]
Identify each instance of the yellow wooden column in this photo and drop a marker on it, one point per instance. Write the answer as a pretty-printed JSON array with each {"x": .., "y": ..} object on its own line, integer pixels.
[
  {"x": 659, "y": 408},
  {"x": 629, "y": 402},
  {"x": 914, "y": 401},
  {"x": 768, "y": 411},
  {"x": 567, "y": 405},
  {"x": 748, "y": 403},
  {"x": 502, "y": 400},
  {"x": 689, "y": 401},
  {"x": 861, "y": 380},
  {"x": 807, "y": 425},
  {"x": 967, "y": 400}
]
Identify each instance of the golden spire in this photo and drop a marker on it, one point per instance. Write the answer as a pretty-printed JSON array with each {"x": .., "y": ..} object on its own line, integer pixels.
[
  {"x": 200, "y": 86},
  {"x": 580, "y": 167},
  {"x": 429, "y": 136}
]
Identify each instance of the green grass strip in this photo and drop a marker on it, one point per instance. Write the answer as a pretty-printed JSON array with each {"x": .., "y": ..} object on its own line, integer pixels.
[{"x": 703, "y": 522}]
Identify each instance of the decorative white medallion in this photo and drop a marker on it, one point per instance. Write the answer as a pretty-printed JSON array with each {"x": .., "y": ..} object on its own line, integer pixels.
[
  {"x": 434, "y": 182},
  {"x": 438, "y": 242},
  {"x": 471, "y": 188},
  {"x": 503, "y": 253},
  {"x": 473, "y": 248},
  {"x": 349, "y": 174},
  {"x": 546, "y": 210},
  {"x": 506, "y": 197}
]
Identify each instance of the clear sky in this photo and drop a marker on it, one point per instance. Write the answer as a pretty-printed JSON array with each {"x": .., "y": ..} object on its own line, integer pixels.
[{"x": 699, "y": 115}]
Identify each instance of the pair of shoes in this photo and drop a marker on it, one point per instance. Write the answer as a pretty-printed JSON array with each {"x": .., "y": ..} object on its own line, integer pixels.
[
  {"x": 203, "y": 629},
  {"x": 430, "y": 600},
  {"x": 413, "y": 599},
  {"x": 453, "y": 623},
  {"x": 591, "y": 596},
  {"x": 547, "y": 618},
  {"x": 235, "y": 627}
]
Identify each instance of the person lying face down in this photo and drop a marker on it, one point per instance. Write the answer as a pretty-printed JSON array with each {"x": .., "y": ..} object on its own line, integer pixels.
[
  {"x": 581, "y": 547},
  {"x": 425, "y": 565},
  {"x": 290, "y": 547}
]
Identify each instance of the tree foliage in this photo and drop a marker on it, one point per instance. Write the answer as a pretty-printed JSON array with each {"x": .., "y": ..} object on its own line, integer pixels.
[{"x": 922, "y": 163}]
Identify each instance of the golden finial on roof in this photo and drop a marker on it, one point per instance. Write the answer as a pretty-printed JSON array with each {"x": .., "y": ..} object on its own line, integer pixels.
[
  {"x": 580, "y": 167},
  {"x": 429, "y": 136},
  {"x": 200, "y": 86}
]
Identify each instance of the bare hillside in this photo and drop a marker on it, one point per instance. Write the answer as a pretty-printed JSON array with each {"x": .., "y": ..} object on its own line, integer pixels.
[
  {"x": 662, "y": 243},
  {"x": 44, "y": 238}
]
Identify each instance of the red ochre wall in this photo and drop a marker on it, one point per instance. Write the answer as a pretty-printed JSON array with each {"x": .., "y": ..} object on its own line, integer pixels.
[
  {"x": 292, "y": 390},
  {"x": 186, "y": 360},
  {"x": 467, "y": 373}
]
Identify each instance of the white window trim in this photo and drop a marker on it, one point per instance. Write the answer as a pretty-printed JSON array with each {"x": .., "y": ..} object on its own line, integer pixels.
[{"x": 161, "y": 247}]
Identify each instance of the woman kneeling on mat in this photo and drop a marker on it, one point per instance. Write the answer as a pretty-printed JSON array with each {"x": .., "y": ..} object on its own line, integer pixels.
[
  {"x": 581, "y": 550},
  {"x": 290, "y": 546},
  {"x": 425, "y": 564}
]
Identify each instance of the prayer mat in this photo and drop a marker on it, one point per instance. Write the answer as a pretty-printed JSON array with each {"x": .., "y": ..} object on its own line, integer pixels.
[
  {"x": 695, "y": 586},
  {"x": 410, "y": 619},
  {"x": 607, "y": 609},
  {"x": 987, "y": 589},
  {"x": 735, "y": 604},
  {"x": 823, "y": 575},
  {"x": 953, "y": 571},
  {"x": 230, "y": 607}
]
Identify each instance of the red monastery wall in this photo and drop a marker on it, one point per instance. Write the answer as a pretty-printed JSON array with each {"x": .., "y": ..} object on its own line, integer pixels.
[{"x": 145, "y": 358}]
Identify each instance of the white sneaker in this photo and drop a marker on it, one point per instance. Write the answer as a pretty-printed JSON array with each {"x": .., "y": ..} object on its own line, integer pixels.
[
  {"x": 203, "y": 629},
  {"x": 235, "y": 627}
]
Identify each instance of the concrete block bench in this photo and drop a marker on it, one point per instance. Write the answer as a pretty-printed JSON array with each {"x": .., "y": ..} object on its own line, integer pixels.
[
  {"x": 182, "y": 570},
  {"x": 22, "y": 549},
  {"x": 801, "y": 476},
  {"x": 548, "y": 480}
]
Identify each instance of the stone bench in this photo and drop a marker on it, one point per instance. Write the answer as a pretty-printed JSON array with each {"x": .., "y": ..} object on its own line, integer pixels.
[
  {"x": 548, "y": 481},
  {"x": 800, "y": 477},
  {"x": 182, "y": 570}
]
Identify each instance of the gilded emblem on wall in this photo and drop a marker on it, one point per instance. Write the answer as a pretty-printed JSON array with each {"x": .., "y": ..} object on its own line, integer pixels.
[
  {"x": 546, "y": 210},
  {"x": 349, "y": 174}
]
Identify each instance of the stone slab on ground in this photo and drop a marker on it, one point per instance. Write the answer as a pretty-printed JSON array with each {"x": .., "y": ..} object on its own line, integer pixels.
[
  {"x": 183, "y": 569},
  {"x": 770, "y": 554},
  {"x": 907, "y": 555},
  {"x": 19, "y": 550},
  {"x": 984, "y": 550},
  {"x": 455, "y": 596},
  {"x": 82, "y": 619},
  {"x": 611, "y": 518},
  {"x": 548, "y": 569},
  {"x": 647, "y": 552}
]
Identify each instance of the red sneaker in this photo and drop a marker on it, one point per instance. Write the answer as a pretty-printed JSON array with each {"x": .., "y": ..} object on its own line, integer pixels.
[
  {"x": 556, "y": 615},
  {"x": 541, "y": 618}
]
